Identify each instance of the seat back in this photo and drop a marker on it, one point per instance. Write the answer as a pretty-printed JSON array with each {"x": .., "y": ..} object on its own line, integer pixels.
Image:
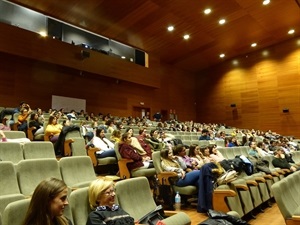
[
  {"x": 8, "y": 181},
  {"x": 157, "y": 162},
  {"x": 79, "y": 204},
  {"x": 77, "y": 171},
  {"x": 10, "y": 151},
  {"x": 15, "y": 212},
  {"x": 14, "y": 134},
  {"x": 38, "y": 149},
  {"x": 31, "y": 172},
  {"x": 135, "y": 197},
  {"x": 78, "y": 147}
]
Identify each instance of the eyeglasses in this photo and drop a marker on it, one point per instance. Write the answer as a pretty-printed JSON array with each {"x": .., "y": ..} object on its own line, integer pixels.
[{"x": 110, "y": 192}]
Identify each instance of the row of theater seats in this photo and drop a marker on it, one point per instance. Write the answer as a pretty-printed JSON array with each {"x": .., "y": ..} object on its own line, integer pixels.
[
  {"x": 254, "y": 191},
  {"x": 287, "y": 196},
  {"x": 18, "y": 181}
]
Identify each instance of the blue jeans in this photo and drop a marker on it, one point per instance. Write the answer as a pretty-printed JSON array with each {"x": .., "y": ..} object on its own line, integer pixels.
[
  {"x": 107, "y": 153},
  {"x": 191, "y": 178}
]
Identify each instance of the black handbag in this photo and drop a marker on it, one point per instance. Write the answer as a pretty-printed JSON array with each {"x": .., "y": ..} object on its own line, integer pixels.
[
  {"x": 217, "y": 215},
  {"x": 215, "y": 222},
  {"x": 152, "y": 217}
]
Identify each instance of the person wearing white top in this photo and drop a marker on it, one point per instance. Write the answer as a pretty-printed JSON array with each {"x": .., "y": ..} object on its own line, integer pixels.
[{"x": 105, "y": 146}]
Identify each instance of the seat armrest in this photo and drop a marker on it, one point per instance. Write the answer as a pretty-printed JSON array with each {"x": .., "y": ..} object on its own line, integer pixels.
[
  {"x": 91, "y": 152},
  {"x": 163, "y": 177},
  {"x": 124, "y": 171},
  {"x": 260, "y": 179},
  {"x": 219, "y": 201},
  {"x": 30, "y": 134},
  {"x": 241, "y": 187},
  {"x": 251, "y": 183}
]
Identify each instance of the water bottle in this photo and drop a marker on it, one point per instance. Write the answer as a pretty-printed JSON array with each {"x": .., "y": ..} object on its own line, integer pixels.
[{"x": 177, "y": 205}]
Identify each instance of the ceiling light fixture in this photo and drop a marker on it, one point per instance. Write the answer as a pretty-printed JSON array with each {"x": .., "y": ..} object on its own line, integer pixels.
[
  {"x": 207, "y": 11},
  {"x": 222, "y": 55},
  {"x": 222, "y": 21},
  {"x": 43, "y": 33},
  {"x": 266, "y": 2},
  {"x": 253, "y": 45},
  {"x": 170, "y": 28},
  {"x": 291, "y": 31},
  {"x": 186, "y": 36}
]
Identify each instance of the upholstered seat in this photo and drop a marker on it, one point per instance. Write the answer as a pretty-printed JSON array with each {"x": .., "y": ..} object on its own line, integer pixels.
[{"x": 138, "y": 201}]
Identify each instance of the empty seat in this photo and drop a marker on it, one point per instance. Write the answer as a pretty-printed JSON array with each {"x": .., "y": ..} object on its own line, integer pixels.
[
  {"x": 38, "y": 149},
  {"x": 138, "y": 201},
  {"x": 15, "y": 212},
  {"x": 11, "y": 152},
  {"x": 14, "y": 134},
  {"x": 80, "y": 206},
  {"x": 9, "y": 188},
  {"x": 77, "y": 171},
  {"x": 31, "y": 172}
]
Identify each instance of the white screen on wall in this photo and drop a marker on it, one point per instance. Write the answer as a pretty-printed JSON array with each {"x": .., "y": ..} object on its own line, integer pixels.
[{"x": 68, "y": 104}]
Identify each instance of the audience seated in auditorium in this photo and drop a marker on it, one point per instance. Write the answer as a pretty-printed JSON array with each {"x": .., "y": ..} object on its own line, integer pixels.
[
  {"x": 35, "y": 123},
  {"x": 170, "y": 164},
  {"x": 204, "y": 135},
  {"x": 185, "y": 162},
  {"x": 154, "y": 142},
  {"x": 16, "y": 140},
  {"x": 47, "y": 203},
  {"x": 196, "y": 155},
  {"x": 135, "y": 142},
  {"x": 53, "y": 129},
  {"x": 143, "y": 142},
  {"x": 102, "y": 202},
  {"x": 281, "y": 161},
  {"x": 115, "y": 136},
  {"x": 105, "y": 146},
  {"x": 22, "y": 118},
  {"x": 11, "y": 112},
  {"x": 72, "y": 115},
  {"x": 217, "y": 157},
  {"x": 127, "y": 151}
]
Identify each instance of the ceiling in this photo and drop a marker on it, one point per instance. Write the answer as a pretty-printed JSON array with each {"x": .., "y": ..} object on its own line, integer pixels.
[{"x": 143, "y": 24}]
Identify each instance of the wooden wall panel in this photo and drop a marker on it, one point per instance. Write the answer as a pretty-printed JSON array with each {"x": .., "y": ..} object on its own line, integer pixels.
[
  {"x": 260, "y": 86},
  {"x": 111, "y": 86}
]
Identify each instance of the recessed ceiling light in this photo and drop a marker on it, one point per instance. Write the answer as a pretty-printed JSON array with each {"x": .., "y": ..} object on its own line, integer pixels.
[
  {"x": 123, "y": 57},
  {"x": 170, "y": 28},
  {"x": 222, "y": 21},
  {"x": 253, "y": 45},
  {"x": 207, "y": 11},
  {"x": 235, "y": 62},
  {"x": 291, "y": 31},
  {"x": 266, "y": 2},
  {"x": 265, "y": 53},
  {"x": 186, "y": 36},
  {"x": 222, "y": 55}
]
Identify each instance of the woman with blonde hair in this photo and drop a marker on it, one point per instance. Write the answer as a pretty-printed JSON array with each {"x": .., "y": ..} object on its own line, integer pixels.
[
  {"x": 102, "y": 202},
  {"x": 47, "y": 204}
]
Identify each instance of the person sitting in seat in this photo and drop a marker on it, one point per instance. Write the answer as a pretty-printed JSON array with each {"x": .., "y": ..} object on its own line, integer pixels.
[
  {"x": 204, "y": 135},
  {"x": 105, "y": 146},
  {"x": 183, "y": 159},
  {"x": 196, "y": 155},
  {"x": 281, "y": 161},
  {"x": 47, "y": 204},
  {"x": 35, "y": 124},
  {"x": 115, "y": 136},
  {"x": 135, "y": 142},
  {"x": 154, "y": 142},
  {"x": 102, "y": 202},
  {"x": 127, "y": 151},
  {"x": 22, "y": 118},
  {"x": 143, "y": 142},
  {"x": 53, "y": 129},
  {"x": 170, "y": 164}
]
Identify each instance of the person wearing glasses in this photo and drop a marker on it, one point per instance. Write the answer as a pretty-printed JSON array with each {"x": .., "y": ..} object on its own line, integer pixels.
[{"x": 102, "y": 203}]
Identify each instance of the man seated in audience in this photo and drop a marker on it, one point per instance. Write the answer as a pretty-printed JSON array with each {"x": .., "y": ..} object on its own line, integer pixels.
[
  {"x": 204, "y": 135},
  {"x": 22, "y": 118},
  {"x": 11, "y": 112},
  {"x": 281, "y": 161}
]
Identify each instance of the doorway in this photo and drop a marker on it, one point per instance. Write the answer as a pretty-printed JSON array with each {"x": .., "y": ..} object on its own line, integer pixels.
[{"x": 141, "y": 112}]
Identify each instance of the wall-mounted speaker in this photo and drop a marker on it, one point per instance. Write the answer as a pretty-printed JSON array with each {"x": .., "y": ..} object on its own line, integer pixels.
[
  {"x": 285, "y": 110},
  {"x": 84, "y": 54}
]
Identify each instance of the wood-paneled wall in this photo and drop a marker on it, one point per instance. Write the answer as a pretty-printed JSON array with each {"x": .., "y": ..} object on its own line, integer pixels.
[
  {"x": 33, "y": 69},
  {"x": 261, "y": 85}
]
